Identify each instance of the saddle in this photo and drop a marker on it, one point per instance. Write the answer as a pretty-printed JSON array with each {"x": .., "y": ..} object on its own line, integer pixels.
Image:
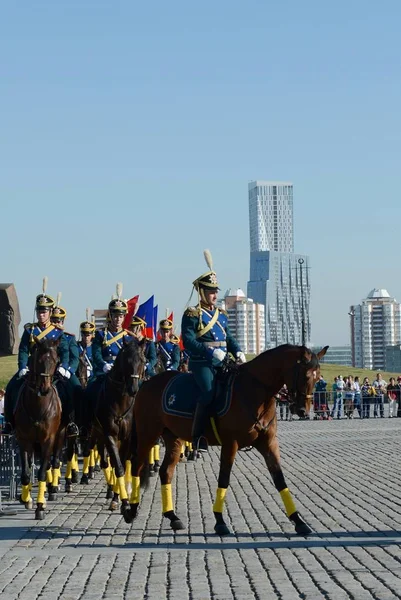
[{"x": 182, "y": 394}]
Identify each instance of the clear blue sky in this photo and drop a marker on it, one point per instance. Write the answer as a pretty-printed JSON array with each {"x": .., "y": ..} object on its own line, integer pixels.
[{"x": 129, "y": 134}]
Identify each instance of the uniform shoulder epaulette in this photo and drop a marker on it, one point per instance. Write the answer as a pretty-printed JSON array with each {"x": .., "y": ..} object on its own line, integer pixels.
[
  {"x": 58, "y": 327},
  {"x": 192, "y": 311},
  {"x": 128, "y": 332},
  {"x": 223, "y": 312},
  {"x": 28, "y": 325},
  {"x": 68, "y": 333}
]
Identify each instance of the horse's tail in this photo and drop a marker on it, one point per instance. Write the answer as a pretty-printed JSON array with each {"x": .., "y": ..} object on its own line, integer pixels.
[{"x": 134, "y": 444}]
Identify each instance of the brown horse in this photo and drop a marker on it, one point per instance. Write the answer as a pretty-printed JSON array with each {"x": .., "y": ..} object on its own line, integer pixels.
[
  {"x": 113, "y": 398},
  {"x": 37, "y": 419},
  {"x": 250, "y": 421}
]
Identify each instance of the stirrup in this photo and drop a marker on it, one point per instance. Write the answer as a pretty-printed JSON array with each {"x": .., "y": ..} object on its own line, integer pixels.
[
  {"x": 200, "y": 446},
  {"x": 72, "y": 430}
]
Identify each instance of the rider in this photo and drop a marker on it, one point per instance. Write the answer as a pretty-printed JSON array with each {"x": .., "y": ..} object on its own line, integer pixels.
[
  {"x": 106, "y": 345},
  {"x": 138, "y": 325},
  {"x": 70, "y": 384},
  {"x": 87, "y": 330},
  {"x": 34, "y": 332},
  {"x": 169, "y": 353},
  {"x": 207, "y": 339}
]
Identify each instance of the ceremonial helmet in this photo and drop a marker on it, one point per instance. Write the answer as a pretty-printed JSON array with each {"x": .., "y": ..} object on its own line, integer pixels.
[
  {"x": 138, "y": 322},
  {"x": 43, "y": 300},
  {"x": 87, "y": 326},
  {"x": 175, "y": 338},
  {"x": 166, "y": 325},
  {"x": 58, "y": 311},
  {"x": 208, "y": 280},
  {"x": 117, "y": 305}
]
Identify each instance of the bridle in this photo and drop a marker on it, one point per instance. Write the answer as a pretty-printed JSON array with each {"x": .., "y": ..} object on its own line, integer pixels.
[{"x": 301, "y": 365}]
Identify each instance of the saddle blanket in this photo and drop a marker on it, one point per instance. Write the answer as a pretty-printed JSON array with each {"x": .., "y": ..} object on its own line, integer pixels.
[{"x": 182, "y": 394}]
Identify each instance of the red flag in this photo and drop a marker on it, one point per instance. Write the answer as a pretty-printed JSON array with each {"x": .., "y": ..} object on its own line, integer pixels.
[{"x": 131, "y": 311}]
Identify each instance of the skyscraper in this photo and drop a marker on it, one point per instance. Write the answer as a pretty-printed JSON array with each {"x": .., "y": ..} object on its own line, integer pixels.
[
  {"x": 279, "y": 279},
  {"x": 375, "y": 326}
]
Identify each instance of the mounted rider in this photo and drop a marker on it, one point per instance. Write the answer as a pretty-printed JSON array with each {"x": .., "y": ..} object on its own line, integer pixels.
[
  {"x": 207, "y": 339},
  {"x": 109, "y": 340},
  {"x": 167, "y": 351},
  {"x": 87, "y": 331},
  {"x": 69, "y": 385},
  {"x": 42, "y": 329},
  {"x": 137, "y": 327}
]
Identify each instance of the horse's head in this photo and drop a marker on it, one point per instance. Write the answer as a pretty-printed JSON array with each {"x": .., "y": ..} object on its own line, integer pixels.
[
  {"x": 130, "y": 365},
  {"x": 301, "y": 378},
  {"x": 42, "y": 365}
]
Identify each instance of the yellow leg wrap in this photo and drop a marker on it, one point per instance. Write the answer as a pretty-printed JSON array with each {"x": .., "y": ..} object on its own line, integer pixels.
[
  {"x": 157, "y": 452},
  {"x": 136, "y": 490},
  {"x": 85, "y": 469},
  {"x": 187, "y": 444},
  {"x": 190, "y": 446},
  {"x": 92, "y": 458},
  {"x": 68, "y": 471},
  {"x": 182, "y": 448},
  {"x": 122, "y": 488},
  {"x": 26, "y": 493},
  {"x": 49, "y": 476},
  {"x": 219, "y": 502},
  {"x": 41, "y": 492},
  {"x": 152, "y": 456},
  {"x": 56, "y": 477},
  {"x": 167, "y": 498},
  {"x": 128, "y": 476},
  {"x": 106, "y": 474},
  {"x": 76, "y": 465},
  {"x": 288, "y": 502}
]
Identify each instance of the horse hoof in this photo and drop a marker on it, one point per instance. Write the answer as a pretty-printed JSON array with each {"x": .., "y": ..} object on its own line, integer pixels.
[
  {"x": 28, "y": 505},
  {"x": 113, "y": 505},
  {"x": 221, "y": 529},
  {"x": 177, "y": 525},
  {"x": 109, "y": 493},
  {"x": 68, "y": 487},
  {"x": 127, "y": 516},
  {"x": 74, "y": 476},
  {"x": 134, "y": 511},
  {"x": 91, "y": 474},
  {"x": 191, "y": 456},
  {"x": 84, "y": 479},
  {"x": 151, "y": 471},
  {"x": 39, "y": 514},
  {"x": 97, "y": 468},
  {"x": 52, "y": 497},
  {"x": 302, "y": 528}
]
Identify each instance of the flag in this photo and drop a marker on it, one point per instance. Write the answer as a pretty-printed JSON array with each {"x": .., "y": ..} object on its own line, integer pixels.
[
  {"x": 155, "y": 322},
  {"x": 132, "y": 303},
  {"x": 145, "y": 312}
]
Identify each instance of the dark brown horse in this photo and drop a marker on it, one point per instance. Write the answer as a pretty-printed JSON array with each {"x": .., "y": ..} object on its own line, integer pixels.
[
  {"x": 250, "y": 421},
  {"x": 37, "y": 419},
  {"x": 112, "y": 417}
]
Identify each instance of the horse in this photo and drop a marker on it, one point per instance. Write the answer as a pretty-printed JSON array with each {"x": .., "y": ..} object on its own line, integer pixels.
[
  {"x": 249, "y": 421},
  {"x": 37, "y": 419},
  {"x": 112, "y": 416}
]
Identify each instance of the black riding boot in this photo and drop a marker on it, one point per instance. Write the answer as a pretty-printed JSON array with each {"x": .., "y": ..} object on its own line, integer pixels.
[{"x": 199, "y": 441}]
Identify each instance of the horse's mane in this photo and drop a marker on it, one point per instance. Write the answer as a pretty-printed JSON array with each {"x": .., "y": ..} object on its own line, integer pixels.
[
  {"x": 45, "y": 345},
  {"x": 283, "y": 347}
]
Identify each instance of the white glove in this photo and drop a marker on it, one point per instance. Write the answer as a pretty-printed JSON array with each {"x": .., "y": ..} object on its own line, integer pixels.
[
  {"x": 241, "y": 358},
  {"x": 62, "y": 371},
  {"x": 88, "y": 372},
  {"x": 107, "y": 367},
  {"x": 23, "y": 372},
  {"x": 219, "y": 355},
  {"x": 67, "y": 375}
]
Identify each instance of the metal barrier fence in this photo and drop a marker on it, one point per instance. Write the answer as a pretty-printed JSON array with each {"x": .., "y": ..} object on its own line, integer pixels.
[
  {"x": 331, "y": 404},
  {"x": 9, "y": 465}
]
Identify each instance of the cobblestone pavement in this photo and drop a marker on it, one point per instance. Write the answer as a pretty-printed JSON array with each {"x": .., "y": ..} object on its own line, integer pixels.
[{"x": 346, "y": 480}]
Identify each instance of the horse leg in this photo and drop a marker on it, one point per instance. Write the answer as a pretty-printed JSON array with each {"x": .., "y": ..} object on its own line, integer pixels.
[
  {"x": 227, "y": 457},
  {"x": 115, "y": 460},
  {"x": 166, "y": 472},
  {"x": 46, "y": 452},
  {"x": 70, "y": 458},
  {"x": 56, "y": 474},
  {"x": 86, "y": 450},
  {"x": 139, "y": 457},
  {"x": 269, "y": 449},
  {"x": 25, "y": 497}
]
